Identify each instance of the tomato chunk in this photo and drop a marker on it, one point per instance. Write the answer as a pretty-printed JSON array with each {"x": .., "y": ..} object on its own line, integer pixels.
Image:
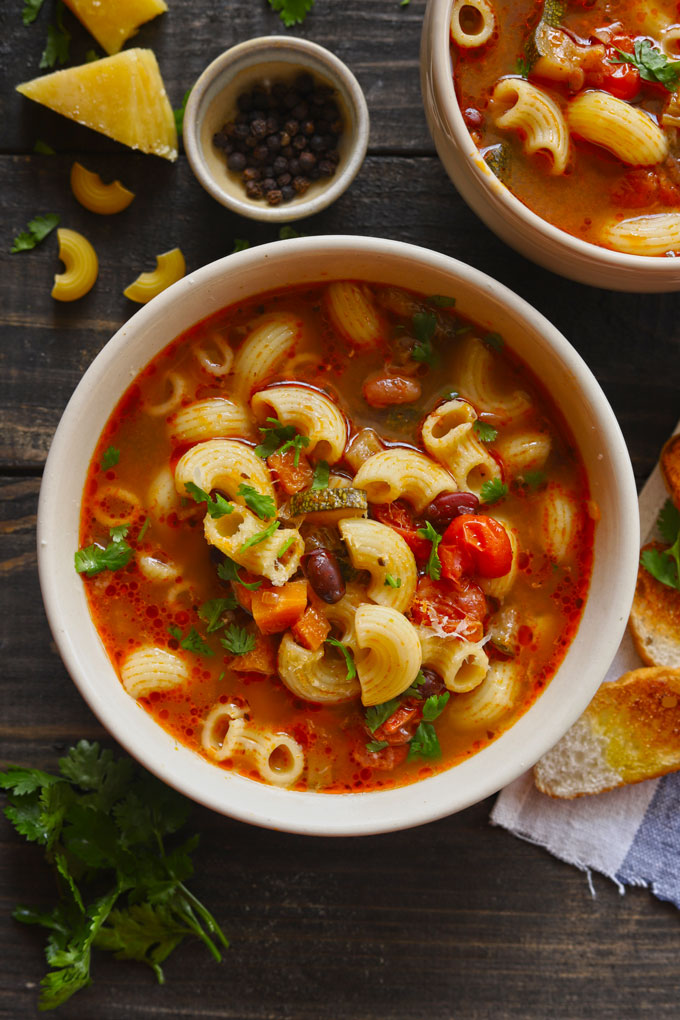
[
  {"x": 479, "y": 545},
  {"x": 458, "y": 606},
  {"x": 398, "y": 516},
  {"x": 613, "y": 74}
]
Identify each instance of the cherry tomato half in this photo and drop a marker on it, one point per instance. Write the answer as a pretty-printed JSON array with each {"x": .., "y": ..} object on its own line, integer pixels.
[
  {"x": 479, "y": 545},
  {"x": 621, "y": 80},
  {"x": 398, "y": 516}
]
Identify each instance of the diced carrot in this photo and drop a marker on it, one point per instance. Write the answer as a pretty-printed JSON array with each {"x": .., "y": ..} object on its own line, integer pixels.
[
  {"x": 312, "y": 629},
  {"x": 243, "y": 594},
  {"x": 262, "y": 659},
  {"x": 277, "y": 609},
  {"x": 293, "y": 477}
]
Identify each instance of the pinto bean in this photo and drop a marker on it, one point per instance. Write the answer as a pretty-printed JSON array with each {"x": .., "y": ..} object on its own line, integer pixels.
[
  {"x": 324, "y": 575},
  {"x": 381, "y": 390},
  {"x": 447, "y": 505}
]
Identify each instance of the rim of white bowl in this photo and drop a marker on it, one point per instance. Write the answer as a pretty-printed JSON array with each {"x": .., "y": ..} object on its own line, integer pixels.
[
  {"x": 349, "y": 814},
  {"x": 437, "y": 28},
  {"x": 312, "y": 57}
]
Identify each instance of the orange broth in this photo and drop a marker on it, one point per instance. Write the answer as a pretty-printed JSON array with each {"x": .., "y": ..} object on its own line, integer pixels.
[
  {"x": 597, "y": 187},
  {"x": 129, "y": 609}
]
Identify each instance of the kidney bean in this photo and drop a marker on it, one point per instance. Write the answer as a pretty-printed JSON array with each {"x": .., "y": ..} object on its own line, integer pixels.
[
  {"x": 324, "y": 575},
  {"x": 382, "y": 390},
  {"x": 433, "y": 684},
  {"x": 448, "y": 505}
]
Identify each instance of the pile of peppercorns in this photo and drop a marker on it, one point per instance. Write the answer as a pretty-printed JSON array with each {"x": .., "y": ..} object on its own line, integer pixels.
[{"x": 283, "y": 138}]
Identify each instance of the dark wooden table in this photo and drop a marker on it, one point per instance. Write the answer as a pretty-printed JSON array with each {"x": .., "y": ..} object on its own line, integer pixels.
[{"x": 454, "y": 919}]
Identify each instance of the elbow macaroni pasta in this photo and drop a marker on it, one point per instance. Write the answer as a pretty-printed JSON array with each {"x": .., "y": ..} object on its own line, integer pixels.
[
  {"x": 559, "y": 522},
  {"x": 656, "y": 234},
  {"x": 177, "y": 386},
  {"x": 215, "y": 355},
  {"x": 230, "y": 533},
  {"x": 461, "y": 664},
  {"x": 353, "y": 314},
  {"x": 278, "y": 758},
  {"x": 271, "y": 338},
  {"x": 390, "y": 654},
  {"x": 475, "y": 30},
  {"x": 313, "y": 415},
  {"x": 488, "y": 703},
  {"x": 523, "y": 451},
  {"x": 213, "y": 418},
  {"x": 381, "y": 551},
  {"x": 625, "y": 130},
  {"x": 81, "y": 266},
  {"x": 403, "y": 473},
  {"x": 152, "y": 669},
  {"x": 170, "y": 267},
  {"x": 93, "y": 194},
  {"x": 449, "y": 437},
  {"x": 476, "y": 379},
  {"x": 521, "y": 106},
  {"x": 223, "y": 464}
]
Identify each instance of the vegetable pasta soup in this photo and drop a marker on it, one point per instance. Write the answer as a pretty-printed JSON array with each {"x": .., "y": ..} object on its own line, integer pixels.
[
  {"x": 575, "y": 106},
  {"x": 316, "y": 565}
]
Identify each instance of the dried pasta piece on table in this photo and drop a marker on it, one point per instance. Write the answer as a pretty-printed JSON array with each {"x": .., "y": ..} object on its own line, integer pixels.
[
  {"x": 170, "y": 267},
  {"x": 81, "y": 266},
  {"x": 96, "y": 196}
]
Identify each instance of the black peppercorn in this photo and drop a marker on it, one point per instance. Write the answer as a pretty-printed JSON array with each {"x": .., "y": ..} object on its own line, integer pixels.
[
  {"x": 275, "y": 197},
  {"x": 307, "y": 161},
  {"x": 301, "y": 184},
  {"x": 236, "y": 161},
  {"x": 253, "y": 189}
]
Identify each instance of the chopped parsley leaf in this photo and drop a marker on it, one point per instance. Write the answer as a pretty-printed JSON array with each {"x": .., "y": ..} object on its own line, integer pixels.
[
  {"x": 652, "y": 64},
  {"x": 392, "y": 582},
  {"x": 664, "y": 564},
  {"x": 110, "y": 458},
  {"x": 211, "y": 612},
  {"x": 240, "y": 244},
  {"x": 217, "y": 506},
  {"x": 31, "y": 11},
  {"x": 193, "y": 642},
  {"x": 425, "y": 743},
  {"x": 292, "y": 12},
  {"x": 286, "y": 233},
  {"x": 228, "y": 571},
  {"x": 285, "y": 547},
  {"x": 347, "y": 655},
  {"x": 58, "y": 41},
  {"x": 485, "y": 433},
  {"x": 434, "y": 706},
  {"x": 494, "y": 340},
  {"x": 378, "y": 745},
  {"x": 376, "y": 715},
  {"x": 263, "y": 506},
  {"x": 95, "y": 558},
  {"x": 260, "y": 536},
  {"x": 37, "y": 230},
  {"x": 534, "y": 479},
  {"x": 278, "y": 438},
  {"x": 143, "y": 530},
  {"x": 493, "y": 491},
  {"x": 42, "y": 148},
  {"x": 179, "y": 114},
  {"x": 441, "y": 301},
  {"x": 321, "y": 475},
  {"x": 412, "y": 691},
  {"x": 424, "y": 326},
  {"x": 238, "y": 641},
  {"x": 433, "y": 566}
]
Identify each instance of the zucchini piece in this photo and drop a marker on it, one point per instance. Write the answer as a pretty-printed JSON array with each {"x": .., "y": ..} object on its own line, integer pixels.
[
  {"x": 326, "y": 506},
  {"x": 538, "y": 43},
  {"x": 497, "y": 158}
]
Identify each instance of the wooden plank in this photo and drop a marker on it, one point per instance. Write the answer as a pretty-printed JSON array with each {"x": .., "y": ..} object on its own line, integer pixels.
[
  {"x": 405, "y": 198},
  {"x": 379, "y": 41}
]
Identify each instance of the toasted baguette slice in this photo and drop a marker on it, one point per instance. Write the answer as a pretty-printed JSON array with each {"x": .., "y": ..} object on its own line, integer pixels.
[
  {"x": 655, "y": 619},
  {"x": 670, "y": 467},
  {"x": 629, "y": 732}
]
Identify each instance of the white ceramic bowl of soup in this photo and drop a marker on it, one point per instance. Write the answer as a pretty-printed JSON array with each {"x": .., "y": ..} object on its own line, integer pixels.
[
  {"x": 575, "y": 393},
  {"x": 506, "y": 215}
]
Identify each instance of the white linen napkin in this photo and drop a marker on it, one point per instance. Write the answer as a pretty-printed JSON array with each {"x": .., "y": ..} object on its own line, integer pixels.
[{"x": 631, "y": 835}]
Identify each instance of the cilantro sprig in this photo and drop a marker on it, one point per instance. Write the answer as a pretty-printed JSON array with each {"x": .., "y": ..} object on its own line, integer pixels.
[
  {"x": 347, "y": 656},
  {"x": 212, "y": 612},
  {"x": 179, "y": 113},
  {"x": 322, "y": 474},
  {"x": 292, "y": 12},
  {"x": 277, "y": 438},
  {"x": 263, "y": 506},
  {"x": 217, "y": 505},
  {"x": 191, "y": 642},
  {"x": 58, "y": 42},
  {"x": 103, "y": 824},
  {"x": 94, "y": 558},
  {"x": 228, "y": 571},
  {"x": 260, "y": 536},
  {"x": 424, "y": 326},
  {"x": 484, "y": 432},
  {"x": 433, "y": 567},
  {"x": 493, "y": 491},
  {"x": 664, "y": 564},
  {"x": 392, "y": 582},
  {"x": 237, "y": 640},
  {"x": 652, "y": 64},
  {"x": 36, "y": 231},
  {"x": 110, "y": 458}
]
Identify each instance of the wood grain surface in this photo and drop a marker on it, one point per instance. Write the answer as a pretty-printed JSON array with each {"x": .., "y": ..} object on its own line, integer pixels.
[{"x": 453, "y": 919}]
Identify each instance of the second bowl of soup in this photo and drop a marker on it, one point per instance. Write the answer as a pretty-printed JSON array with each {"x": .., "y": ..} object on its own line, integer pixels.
[
  {"x": 557, "y": 122},
  {"x": 340, "y": 558}
]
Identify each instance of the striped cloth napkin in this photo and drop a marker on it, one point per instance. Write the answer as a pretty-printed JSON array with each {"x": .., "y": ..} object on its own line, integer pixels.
[{"x": 631, "y": 835}]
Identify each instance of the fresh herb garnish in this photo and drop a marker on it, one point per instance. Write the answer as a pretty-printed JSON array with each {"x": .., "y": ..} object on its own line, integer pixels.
[
  {"x": 143, "y": 530},
  {"x": 228, "y": 571},
  {"x": 378, "y": 745},
  {"x": 449, "y": 395},
  {"x": 424, "y": 326},
  {"x": 58, "y": 41},
  {"x": 322, "y": 473},
  {"x": 652, "y": 64},
  {"x": 413, "y": 691},
  {"x": 425, "y": 743},
  {"x": 43, "y": 149},
  {"x": 238, "y": 641},
  {"x": 493, "y": 340},
  {"x": 31, "y": 11},
  {"x": 441, "y": 301},
  {"x": 493, "y": 491},
  {"x": 211, "y": 612},
  {"x": 102, "y": 823},
  {"x": 485, "y": 433},
  {"x": 110, "y": 458},
  {"x": 534, "y": 479},
  {"x": 434, "y": 706},
  {"x": 664, "y": 564},
  {"x": 392, "y": 582},
  {"x": 433, "y": 566},
  {"x": 277, "y": 438},
  {"x": 260, "y": 536},
  {"x": 286, "y": 233},
  {"x": 263, "y": 506},
  {"x": 94, "y": 558},
  {"x": 292, "y": 12},
  {"x": 376, "y": 715},
  {"x": 523, "y": 67},
  {"x": 347, "y": 655},
  {"x": 217, "y": 506},
  {"x": 37, "y": 231},
  {"x": 240, "y": 244},
  {"x": 179, "y": 114},
  {"x": 193, "y": 642},
  {"x": 285, "y": 547},
  {"x": 91, "y": 56}
]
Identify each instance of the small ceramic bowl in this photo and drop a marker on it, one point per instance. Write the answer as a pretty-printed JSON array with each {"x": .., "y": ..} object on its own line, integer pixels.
[
  {"x": 496, "y": 205},
  {"x": 577, "y": 397},
  {"x": 263, "y": 61}
]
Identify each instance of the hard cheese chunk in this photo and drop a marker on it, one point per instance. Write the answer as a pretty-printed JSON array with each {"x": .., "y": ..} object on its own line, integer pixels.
[
  {"x": 122, "y": 96},
  {"x": 112, "y": 22}
]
